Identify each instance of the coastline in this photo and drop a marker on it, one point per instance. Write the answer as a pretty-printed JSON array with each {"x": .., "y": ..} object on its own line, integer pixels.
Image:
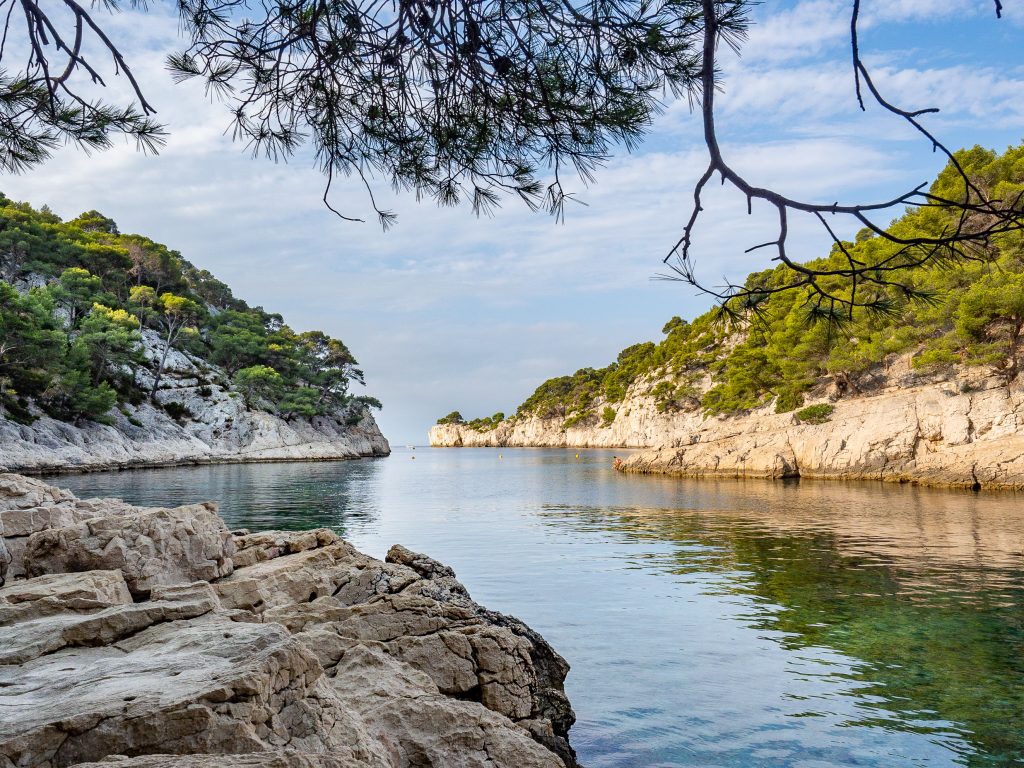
[
  {"x": 965, "y": 431},
  {"x": 148, "y": 438},
  {"x": 131, "y": 467}
]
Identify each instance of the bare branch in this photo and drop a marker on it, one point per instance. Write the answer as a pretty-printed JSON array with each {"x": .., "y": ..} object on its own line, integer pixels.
[{"x": 974, "y": 218}]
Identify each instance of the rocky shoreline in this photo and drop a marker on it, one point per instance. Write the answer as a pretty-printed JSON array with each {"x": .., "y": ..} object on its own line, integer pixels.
[
  {"x": 964, "y": 431},
  {"x": 157, "y": 638},
  {"x": 49, "y": 446},
  {"x": 191, "y": 420},
  {"x": 146, "y": 436}
]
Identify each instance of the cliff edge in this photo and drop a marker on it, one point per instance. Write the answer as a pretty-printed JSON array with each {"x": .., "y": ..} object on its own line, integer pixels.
[{"x": 213, "y": 425}]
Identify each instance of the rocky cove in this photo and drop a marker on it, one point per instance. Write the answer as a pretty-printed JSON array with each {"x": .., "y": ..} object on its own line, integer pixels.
[
  {"x": 962, "y": 430},
  {"x": 157, "y": 637},
  {"x": 213, "y": 425}
]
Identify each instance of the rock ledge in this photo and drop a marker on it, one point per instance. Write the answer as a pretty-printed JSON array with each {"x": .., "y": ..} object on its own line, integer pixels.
[{"x": 156, "y": 638}]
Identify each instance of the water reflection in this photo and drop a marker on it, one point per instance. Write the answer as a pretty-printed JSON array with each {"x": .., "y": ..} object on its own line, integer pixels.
[
  {"x": 709, "y": 623},
  {"x": 923, "y": 598},
  {"x": 287, "y": 496}
]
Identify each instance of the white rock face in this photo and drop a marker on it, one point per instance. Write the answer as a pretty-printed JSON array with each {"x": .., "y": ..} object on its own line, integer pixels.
[
  {"x": 302, "y": 653},
  {"x": 965, "y": 431},
  {"x": 150, "y": 547},
  {"x": 221, "y": 429}
]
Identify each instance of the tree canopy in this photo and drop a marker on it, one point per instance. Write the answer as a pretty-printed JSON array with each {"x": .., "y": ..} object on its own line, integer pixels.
[
  {"x": 72, "y": 345},
  {"x": 470, "y": 101}
]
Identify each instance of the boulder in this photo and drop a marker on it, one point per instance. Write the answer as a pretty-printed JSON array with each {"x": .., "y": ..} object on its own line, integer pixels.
[
  {"x": 252, "y": 548},
  {"x": 275, "y": 759},
  {"x": 150, "y": 547},
  {"x": 28, "y": 505},
  {"x": 403, "y": 707},
  {"x": 207, "y": 685}
]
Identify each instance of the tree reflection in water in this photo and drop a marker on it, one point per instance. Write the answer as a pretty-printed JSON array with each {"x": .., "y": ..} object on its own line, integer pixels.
[{"x": 927, "y": 599}]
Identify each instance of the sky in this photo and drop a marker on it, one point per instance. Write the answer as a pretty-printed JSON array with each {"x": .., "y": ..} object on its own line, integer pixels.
[{"x": 448, "y": 311}]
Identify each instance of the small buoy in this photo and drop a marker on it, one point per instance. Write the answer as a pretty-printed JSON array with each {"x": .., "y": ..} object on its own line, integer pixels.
[
  {"x": 499, "y": 456},
  {"x": 577, "y": 455},
  {"x": 413, "y": 458}
]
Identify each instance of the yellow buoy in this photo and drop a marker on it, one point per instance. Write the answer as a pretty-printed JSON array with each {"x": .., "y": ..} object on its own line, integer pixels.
[
  {"x": 577, "y": 455},
  {"x": 500, "y": 456}
]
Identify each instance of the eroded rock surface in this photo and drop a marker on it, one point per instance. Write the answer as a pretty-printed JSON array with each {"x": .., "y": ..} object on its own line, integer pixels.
[
  {"x": 150, "y": 547},
  {"x": 302, "y": 652},
  {"x": 29, "y": 506},
  {"x": 223, "y": 429}
]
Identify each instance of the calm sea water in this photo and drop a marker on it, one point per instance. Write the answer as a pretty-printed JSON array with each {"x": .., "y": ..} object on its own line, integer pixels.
[{"x": 707, "y": 623}]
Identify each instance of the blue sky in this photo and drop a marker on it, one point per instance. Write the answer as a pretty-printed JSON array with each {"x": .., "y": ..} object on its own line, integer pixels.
[{"x": 449, "y": 311}]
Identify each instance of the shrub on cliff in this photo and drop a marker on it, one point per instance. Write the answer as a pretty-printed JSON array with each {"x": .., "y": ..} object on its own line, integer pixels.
[
  {"x": 816, "y": 414},
  {"x": 777, "y": 345},
  {"x": 73, "y": 345},
  {"x": 452, "y": 418}
]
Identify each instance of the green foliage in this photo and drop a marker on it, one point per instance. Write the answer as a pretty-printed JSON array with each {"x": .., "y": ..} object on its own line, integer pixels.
[
  {"x": 259, "y": 385},
  {"x": 73, "y": 396},
  {"x": 486, "y": 423},
  {"x": 780, "y": 348},
  {"x": 607, "y": 416},
  {"x": 816, "y": 414},
  {"x": 364, "y": 402},
  {"x": 237, "y": 340},
  {"x": 302, "y": 402},
  {"x": 110, "y": 340},
  {"x": 452, "y": 418},
  {"x": 74, "y": 346},
  {"x": 458, "y": 104},
  {"x": 580, "y": 418},
  {"x": 788, "y": 400},
  {"x": 178, "y": 411},
  {"x": 676, "y": 394}
]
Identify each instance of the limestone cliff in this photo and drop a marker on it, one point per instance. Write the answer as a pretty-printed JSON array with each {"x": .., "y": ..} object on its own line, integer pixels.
[
  {"x": 965, "y": 429},
  {"x": 213, "y": 424}
]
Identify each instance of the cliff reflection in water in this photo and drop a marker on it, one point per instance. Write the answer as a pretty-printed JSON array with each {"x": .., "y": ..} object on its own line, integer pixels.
[
  {"x": 923, "y": 591},
  {"x": 282, "y": 496}
]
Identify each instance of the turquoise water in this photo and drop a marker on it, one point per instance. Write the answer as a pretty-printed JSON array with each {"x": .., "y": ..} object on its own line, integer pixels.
[{"x": 707, "y": 623}]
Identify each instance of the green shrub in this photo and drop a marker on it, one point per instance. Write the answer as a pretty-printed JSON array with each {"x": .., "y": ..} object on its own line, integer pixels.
[
  {"x": 452, "y": 418},
  {"x": 576, "y": 419},
  {"x": 178, "y": 411},
  {"x": 816, "y": 414},
  {"x": 788, "y": 400},
  {"x": 16, "y": 409},
  {"x": 607, "y": 416}
]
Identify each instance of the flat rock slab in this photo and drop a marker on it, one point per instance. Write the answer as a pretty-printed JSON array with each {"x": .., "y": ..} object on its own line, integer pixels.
[{"x": 205, "y": 685}]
